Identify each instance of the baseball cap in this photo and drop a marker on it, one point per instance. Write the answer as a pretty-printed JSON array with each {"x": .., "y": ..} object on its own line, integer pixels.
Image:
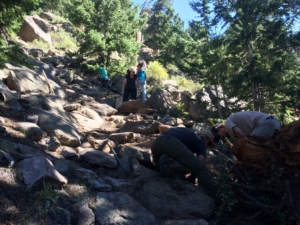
[
  {"x": 132, "y": 69},
  {"x": 208, "y": 134}
]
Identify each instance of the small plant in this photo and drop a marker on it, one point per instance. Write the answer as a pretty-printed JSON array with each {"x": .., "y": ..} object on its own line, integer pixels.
[
  {"x": 180, "y": 112},
  {"x": 157, "y": 71},
  {"x": 187, "y": 84},
  {"x": 39, "y": 44},
  {"x": 63, "y": 40}
]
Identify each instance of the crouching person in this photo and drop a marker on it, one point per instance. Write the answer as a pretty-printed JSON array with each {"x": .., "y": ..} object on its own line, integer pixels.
[{"x": 188, "y": 149}]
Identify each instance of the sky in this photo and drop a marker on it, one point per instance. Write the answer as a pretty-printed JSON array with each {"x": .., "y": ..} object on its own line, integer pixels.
[{"x": 181, "y": 7}]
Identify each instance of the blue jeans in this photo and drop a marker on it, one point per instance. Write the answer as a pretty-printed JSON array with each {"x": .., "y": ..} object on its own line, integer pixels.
[{"x": 144, "y": 92}]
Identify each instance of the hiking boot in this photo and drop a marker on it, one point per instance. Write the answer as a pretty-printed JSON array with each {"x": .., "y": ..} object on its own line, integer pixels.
[{"x": 164, "y": 165}]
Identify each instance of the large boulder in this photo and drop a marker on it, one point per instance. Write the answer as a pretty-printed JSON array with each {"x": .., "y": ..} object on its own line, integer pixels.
[
  {"x": 37, "y": 100},
  {"x": 120, "y": 208},
  {"x": 131, "y": 107},
  {"x": 27, "y": 79},
  {"x": 32, "y": 131},
  {"x": 86, "y": 215},
  {"x": 175, "y": 93},
  {"x": 162, "y": 101},
  {"x": 85, "y": 124},
  {"x": 30, "y": 31},
  {"x": 169, "y": 198},
  {"x": 37, "y": 169},
  {"x": 7, "y": 94},
  {"x": 124, "y": 137},
  {"x": 195, "y": 110},
  {"x": 99, "y": 158},
  {"x": 56, "y": 126},
  {"x": 103, "y": 109},
  {"x": 47, "y": 16},
  {"x": 44, "y": 25},
  {"x": 141, "y": 127}
]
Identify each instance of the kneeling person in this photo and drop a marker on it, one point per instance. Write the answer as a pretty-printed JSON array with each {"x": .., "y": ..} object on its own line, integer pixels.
[{"x": 181, "y": 145}]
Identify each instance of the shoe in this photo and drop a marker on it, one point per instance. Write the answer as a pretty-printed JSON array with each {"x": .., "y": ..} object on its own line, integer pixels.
[{"x": 164, "y": 166}]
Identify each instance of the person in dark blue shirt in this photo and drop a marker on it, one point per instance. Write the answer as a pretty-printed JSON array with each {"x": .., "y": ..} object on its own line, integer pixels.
[
  {"x": 129, "y": 86},
  {"x": 187, "y": 148}
]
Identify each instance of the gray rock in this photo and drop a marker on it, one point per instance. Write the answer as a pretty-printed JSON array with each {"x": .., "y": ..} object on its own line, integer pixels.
[
  {"x": 47, "y": 16},
  {"x": 186, "y": 102},
  {"x": 103, "y": 109},
  {"x": 60, "y": 216},
  {"x": 54, "y": 60},
  {"x": 72, "y": 107},
  {"x": 36, "y": 52},
  {"x": 69, "y": 153},
  {"x": 185, "y": 222},
  {"x": 102, "y": 145},
  {"x": 56, "y": 126},
  {"x": 120, "y": 208},
  {"x": 30, "y": 31},
  {"x": 127, "y": 150},
  {"x": 53, "y": 144},
  {"x": 84, "y": 173},
  {"x": 131, "y": 107},
  {"x": 14, "y": 104},
  {"x": 7, "y": 176},
  {"x": 36, "y": 169},
  {"x": 44, "y": 25},
  {"x": 87, "y": 119},
  {"x": 99, "y": 158},
  {"x": 141, "y": 127},
  {"x": 172, "y": 121},
  {"x": 86, "y": 215},
  {"x": 69, "y": 78},
  {"x": 27, "y": 79},
  {"x": 32, "y": 131},
  {"x": 169, "y": 198},
  {"x": 175, "y": 93},
  {"x": 187, "y": 93},
  {"x": 99, "y": 186},
  {"x": 162, "y": 101},
  {"x": 109, "y": 101},
  {"x": 124, "y": 185},
  {"x": 147, "y": 111},
  {"x": 125, "y": 137}
]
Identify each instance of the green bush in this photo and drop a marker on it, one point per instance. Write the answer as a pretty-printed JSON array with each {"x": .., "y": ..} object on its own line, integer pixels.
[
  {"x": 156, "y": 71},
  {"x": 39, "y": 44},
  {"x": 187, "y": 84},
  {"x": 63, "y": 40}
]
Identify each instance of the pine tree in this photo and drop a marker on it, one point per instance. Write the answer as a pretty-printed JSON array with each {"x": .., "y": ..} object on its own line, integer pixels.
[
  {"x": 109, "y": 29},
  {"x": 162, "y": 31}
]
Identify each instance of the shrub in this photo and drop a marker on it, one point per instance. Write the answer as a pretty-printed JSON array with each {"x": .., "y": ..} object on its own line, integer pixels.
[
  {"x": 63, "y": 40},
  {"x": 157, "y": 71},
  {"x": 187, "y": 84},
  {"x": 39, "y": 44}
]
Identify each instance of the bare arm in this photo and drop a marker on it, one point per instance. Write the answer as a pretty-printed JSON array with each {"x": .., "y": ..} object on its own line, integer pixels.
[
  {"x": 202, "y": 158},
  {"x": 124, "y": 83},
  {"x": 238, "y": 132},
  {"x": 163, "y": 128}
]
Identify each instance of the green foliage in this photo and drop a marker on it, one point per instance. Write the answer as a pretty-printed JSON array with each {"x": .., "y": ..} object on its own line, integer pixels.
[
  {"x": 156, "y": 71},
  {"x": 14, "y": 53},
  {"x": 110, "y": 26},
  {"x": 179, "y": 111},
  {"x": 163, "y": 29},
  {"x": 63, "y": 40},
  {"x": 39, "y": 44},
  {"x": 187, "y": 84}
]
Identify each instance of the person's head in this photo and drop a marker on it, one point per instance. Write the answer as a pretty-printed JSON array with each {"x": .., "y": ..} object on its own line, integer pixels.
[
  {"x": 142, "y": 64},
  {"x": 219, "y": 132},
  {"x": 101, "y": 64},
  {"x": 207, "y": 137},
  {"x": 132, "y": 70}
]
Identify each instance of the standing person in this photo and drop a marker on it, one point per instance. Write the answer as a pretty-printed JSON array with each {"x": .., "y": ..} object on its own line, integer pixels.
[
  {"x": 103, "y": 76},
  {"x": 181, "y": 145},
  {"x": 142, "y": 77},
  {"x": 129, "y": 84},
  {"x": 247, "y": 123}
]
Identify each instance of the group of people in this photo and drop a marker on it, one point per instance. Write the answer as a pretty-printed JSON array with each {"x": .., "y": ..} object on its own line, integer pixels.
[
  {"x": 134, "y": 79},
  {"x": 189, "y": 149}
]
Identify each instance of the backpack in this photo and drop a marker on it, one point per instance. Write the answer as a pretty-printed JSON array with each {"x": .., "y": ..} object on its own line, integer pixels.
[{"x": 141, "y": 75}]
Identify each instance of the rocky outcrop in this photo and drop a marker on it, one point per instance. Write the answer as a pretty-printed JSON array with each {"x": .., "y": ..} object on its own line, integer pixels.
[
  {"x": 30, "y": 31},
  {"x": 141, "y": 127}
]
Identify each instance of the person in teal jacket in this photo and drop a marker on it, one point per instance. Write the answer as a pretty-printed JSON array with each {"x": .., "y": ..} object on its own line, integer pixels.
[
  {"x": 142, "y": 77},
  {"x": 103, "y": 76}
]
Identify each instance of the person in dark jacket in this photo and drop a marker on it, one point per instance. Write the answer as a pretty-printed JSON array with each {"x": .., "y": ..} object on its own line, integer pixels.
[
  {"x": 130, "y": 85},
  {"x": 187, "y": 148}
]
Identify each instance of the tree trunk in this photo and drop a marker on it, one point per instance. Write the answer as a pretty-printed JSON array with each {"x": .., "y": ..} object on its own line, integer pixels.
[
  {"x": 51, "y": 6},
  {"x": 218, "y": 102},
  {"x": 255, "y": 97}
]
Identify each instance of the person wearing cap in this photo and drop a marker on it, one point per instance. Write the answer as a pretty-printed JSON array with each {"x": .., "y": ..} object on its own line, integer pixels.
[
  {"x": 247, "y": 123},
  {"x": 129, "y": 85},
  {"x": 188, "y": 149}
]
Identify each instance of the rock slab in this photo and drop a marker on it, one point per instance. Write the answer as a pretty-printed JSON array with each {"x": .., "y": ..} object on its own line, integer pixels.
[{"x": 117, "y": 208}]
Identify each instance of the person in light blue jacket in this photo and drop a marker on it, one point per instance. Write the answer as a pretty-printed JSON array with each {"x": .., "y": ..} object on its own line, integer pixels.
[{"x": 142, "y": 77}]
